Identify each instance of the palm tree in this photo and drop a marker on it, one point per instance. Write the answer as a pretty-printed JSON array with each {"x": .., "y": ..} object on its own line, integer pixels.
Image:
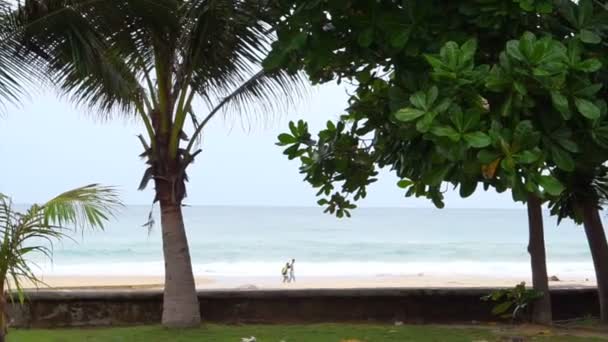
[
  {"x": 34, "y": 231},
  {"x": 152, "y": 59},
  {"x": 586, "y": 193}
]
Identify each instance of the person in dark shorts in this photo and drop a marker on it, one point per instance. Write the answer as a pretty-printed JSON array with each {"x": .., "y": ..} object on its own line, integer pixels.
[{"x": 285, "y": 273}]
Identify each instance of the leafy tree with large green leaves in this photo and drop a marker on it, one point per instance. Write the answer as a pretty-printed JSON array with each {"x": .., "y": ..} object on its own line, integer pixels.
[
  {"x": 33, "y": 231},
  {"x": 458, "y": 93},
  {"x": 152, "y": 59}
]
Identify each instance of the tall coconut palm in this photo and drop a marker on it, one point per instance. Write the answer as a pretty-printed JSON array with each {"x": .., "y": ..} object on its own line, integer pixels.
[
  {"x": 33, "y": 231},
  {"x": 152, "y": 59}
]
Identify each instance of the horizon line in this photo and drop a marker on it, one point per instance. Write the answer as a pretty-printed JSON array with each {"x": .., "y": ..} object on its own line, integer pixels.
[{"x": 186, "y": 205}]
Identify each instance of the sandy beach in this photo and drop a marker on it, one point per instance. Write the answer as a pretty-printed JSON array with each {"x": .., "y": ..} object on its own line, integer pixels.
[{"x": 413, "y": 281}]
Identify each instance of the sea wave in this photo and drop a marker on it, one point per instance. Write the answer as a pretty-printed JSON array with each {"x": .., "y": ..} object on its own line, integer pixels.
[{"x": 325, "y": 269}]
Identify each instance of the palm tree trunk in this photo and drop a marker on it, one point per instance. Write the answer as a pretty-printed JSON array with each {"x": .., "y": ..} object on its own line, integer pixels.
[
  {"x": 3, "y": 323},
  {"x": 599, "y": 252},
  {"x": 541, "y": 310},
  {"x": 180, "y": 302}
]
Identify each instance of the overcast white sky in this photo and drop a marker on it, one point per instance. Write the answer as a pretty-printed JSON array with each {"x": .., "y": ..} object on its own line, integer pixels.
[{"x": 48, "y": 146}]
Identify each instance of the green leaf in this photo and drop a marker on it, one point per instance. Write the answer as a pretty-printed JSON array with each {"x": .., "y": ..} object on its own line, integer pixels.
[
  {"x": 589, "y": 37},
  {"x": 542, "y": 72},
  {"x": 449, "y": 53},
  {"x": 514, "y": 52},
  {"x": 562, "y": 159},
  {"x": 587, "y": 108},
  {"x": 589, "y": 65},
  {"x": 568, "y": 13},
  {"x": 446, "y": 131},
  {"x": 544, "y": 7},
  {"x": 599, "y": 134},
  {"x": 286, "y": 139},
  {"x": 588, "y": 91},
  {"x": 527, "y": 44},
  {"x": 298, "y": 42},
  {"x": 404, "y": 183},
  {"x": 418, "y": 100},
  {"x": 293, "y": 128},
  {"x": 274, "y": 60},
  {"x": 438, "y": 202},
  {"x": 585, "y": 12},
  {"x": 330, "y": 125},
  {"x": 569, "y": 145},
  {"x": 291, "y": 152},
  {"x": 457, "y": 118},
  {"x": 400, "y": 39},
  {"x": 478, "y": 139},
  {"x": 527, "y": 157},
  {"x": 409, "y": 114},
  {"x": 487, "y": 156},
  {"x": 551, "y": 185},
  {"x": 468, "y": 50},
  {"x": 435, "y": 62},
  {"x": 520, "y": 88},
  {"x": 312, "y": 4},
  {"x": 560, "y": 102},
  {"x": 574, "y": 51},
  {"x": 526, "y": 5},
  {"x": 431, "y": 96},
  {"x": 502, "y": 308},
  {"x": 423, "y": 125},
  {"x": 366, "y": 37},
  {"x": 398, "y": 98},
  {"x": 471, "y": 120},
  {"x": 519, "y": 193},
  {"x": 443, "y": 105},
  {"x": 437, "y": 175},
  {"x": 562, "y": 136},
  {"x": 505, "y": 108},
  {"x": 467, "y": 188}
]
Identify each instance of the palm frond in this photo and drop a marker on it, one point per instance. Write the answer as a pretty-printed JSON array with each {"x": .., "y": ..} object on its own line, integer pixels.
[
  {"x": 35, "y": 230},
  {"x": 224, "y": 43},
  {"x": 65, "y": 37},
  {"x": 264, "y": 89},
  {"x": 13, "y": 69},
  {"x": 88, "y": 206},
  {"x": 585, "y": 185},
  {"x": 112, "y": 55}
]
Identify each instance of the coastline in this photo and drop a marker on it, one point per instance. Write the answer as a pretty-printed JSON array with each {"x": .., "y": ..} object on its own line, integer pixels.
[{"x": 253, "y": 283}]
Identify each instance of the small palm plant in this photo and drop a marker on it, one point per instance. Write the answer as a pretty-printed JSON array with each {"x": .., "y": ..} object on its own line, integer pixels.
[{"x": 31, "y": 232}]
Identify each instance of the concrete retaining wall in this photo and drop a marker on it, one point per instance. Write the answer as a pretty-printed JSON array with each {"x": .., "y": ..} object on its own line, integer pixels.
[{"x": 57, "y": 308}]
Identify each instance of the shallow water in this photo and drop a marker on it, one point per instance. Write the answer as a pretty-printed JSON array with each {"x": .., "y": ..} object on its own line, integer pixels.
[{"x": 252, "y": 241}]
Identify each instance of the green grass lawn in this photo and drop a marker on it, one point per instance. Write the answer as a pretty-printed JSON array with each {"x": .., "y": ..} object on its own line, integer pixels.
[{"x": 295, "y": 333}]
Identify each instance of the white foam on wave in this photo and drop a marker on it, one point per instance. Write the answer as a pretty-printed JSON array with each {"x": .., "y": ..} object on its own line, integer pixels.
[{"x": 326, "y": 269}]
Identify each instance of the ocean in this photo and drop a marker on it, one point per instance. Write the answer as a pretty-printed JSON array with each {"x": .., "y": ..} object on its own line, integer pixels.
[{"x": 257, "y": 241}]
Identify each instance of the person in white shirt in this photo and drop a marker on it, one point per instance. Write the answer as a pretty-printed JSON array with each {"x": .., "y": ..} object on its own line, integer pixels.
[{"x": 292, "y": 276}]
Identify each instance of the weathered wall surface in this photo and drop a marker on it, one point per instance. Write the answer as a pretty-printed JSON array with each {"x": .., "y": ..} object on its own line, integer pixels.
[{"x": 62, "y": 308}]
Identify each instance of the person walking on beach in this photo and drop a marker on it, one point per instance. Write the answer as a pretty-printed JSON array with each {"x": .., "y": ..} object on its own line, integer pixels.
[
  {"x": 292, "y": 276},
  {"x": 284, "y": 272}
]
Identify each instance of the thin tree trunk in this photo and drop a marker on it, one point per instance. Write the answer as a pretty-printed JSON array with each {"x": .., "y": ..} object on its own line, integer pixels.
[
  {"x": 3, "y": 322},
  {"x": 180, "y": 302},
  {"x": 599, "y": 252},
  {"x": 541, "y": 309}
]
